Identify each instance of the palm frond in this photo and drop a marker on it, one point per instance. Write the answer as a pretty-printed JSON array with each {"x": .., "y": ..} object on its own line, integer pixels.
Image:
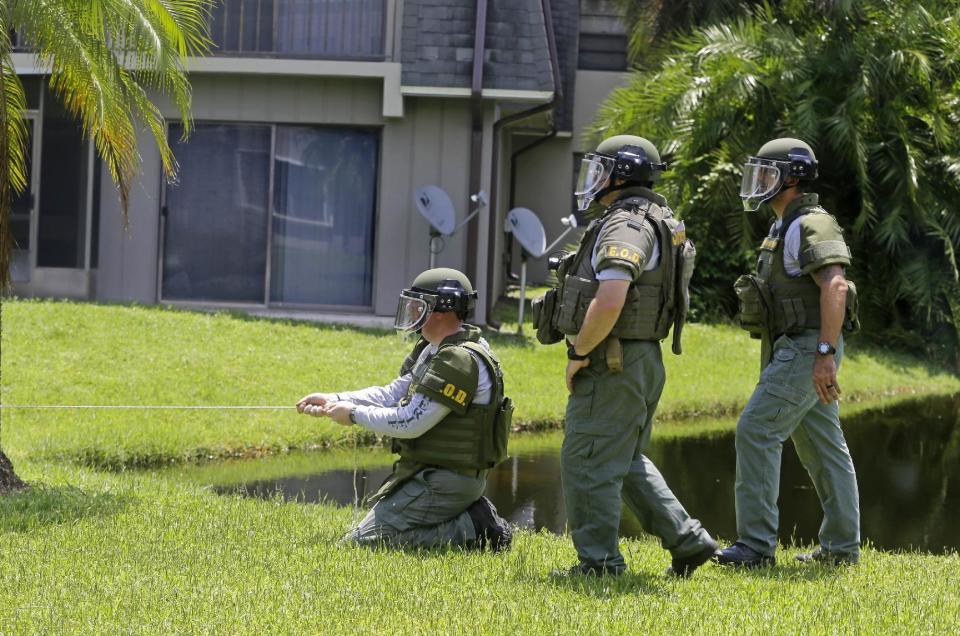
[{"x": 13, "y": 136}]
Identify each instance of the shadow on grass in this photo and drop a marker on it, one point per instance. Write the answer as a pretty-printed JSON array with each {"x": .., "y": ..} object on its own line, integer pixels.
[
  {"x": 40, "y": 506},
  {"x": 793, "y": 573},
  {"x": 631, "y": 583}
]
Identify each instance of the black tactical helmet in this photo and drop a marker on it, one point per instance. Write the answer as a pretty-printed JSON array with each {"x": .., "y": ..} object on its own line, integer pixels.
[
  {"x": 441, "y": 289},
  {"x": 765, "y": 173},
  {"x": 629, "y": 158}
]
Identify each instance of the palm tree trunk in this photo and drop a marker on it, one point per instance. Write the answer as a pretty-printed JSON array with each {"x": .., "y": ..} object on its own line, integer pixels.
[{"x": 8, "y": 479}]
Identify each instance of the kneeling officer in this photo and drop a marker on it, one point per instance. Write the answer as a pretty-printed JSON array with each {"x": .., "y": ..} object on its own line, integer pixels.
[{"x": 449, "y": 421}]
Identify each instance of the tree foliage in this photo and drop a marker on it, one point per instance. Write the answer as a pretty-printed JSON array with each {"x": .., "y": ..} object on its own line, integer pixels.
[
  {"x": 105, "y": 59},
  {"x": 873, "y": 86}
]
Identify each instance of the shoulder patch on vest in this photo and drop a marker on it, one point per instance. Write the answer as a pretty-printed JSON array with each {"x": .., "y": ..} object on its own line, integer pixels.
[
  {"x": 451, "y": 379},
  {"x": 821, "y": 242},
  {"x": 625, "y": 241}
]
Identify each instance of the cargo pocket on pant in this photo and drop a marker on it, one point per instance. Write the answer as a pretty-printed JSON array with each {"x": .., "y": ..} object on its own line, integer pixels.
[
  {"x": 781, "y": 367},
  {"x": 580, "y": 402},
  {"x": 784, "y": 399},
  {"x": 404, "y": 507}
]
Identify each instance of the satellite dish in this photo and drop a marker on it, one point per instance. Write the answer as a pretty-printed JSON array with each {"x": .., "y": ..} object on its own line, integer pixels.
[
  {"x": 528, "y": 230},
  {"x": 437, "y": 208}
]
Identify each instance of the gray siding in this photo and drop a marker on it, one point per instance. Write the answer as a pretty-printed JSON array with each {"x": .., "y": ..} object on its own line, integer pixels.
[
  {"x": 348, "y": 101},
  {"x": 429, "y": 145},
  {"x": 127, "y": 269}
]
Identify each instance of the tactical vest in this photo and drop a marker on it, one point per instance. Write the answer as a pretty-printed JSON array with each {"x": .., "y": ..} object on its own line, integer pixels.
[
  {"x": 656, "y": 300},
  {"x": 772, "y": 302},
  {"x": 473, "y": 437}
]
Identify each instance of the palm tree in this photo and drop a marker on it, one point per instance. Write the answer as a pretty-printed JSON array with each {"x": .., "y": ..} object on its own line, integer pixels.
[
  {"x": 654, "y": 23},
  {"x": 875, "y": 87},
  {"x": 105, "y": 59}
]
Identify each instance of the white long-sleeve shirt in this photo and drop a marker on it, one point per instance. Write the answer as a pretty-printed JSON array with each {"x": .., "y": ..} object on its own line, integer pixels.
[{"x": 379, "y": 408}]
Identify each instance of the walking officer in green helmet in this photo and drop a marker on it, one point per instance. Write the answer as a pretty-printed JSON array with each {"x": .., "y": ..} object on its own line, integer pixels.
[
  {"x": 449, "y": 420},
  {"x": 799, "y": 303},
  {"x": 618, "y": 296}
]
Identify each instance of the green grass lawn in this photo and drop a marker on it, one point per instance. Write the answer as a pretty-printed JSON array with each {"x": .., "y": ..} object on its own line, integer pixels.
[
  {"x": 94, "y": 551},
  {"x": 70, "y": 353},
  {"x": 105, "y": 553}
]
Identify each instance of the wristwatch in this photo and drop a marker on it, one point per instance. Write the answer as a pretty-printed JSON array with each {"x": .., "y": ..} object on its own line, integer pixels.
[
  {"x": 826, "y": 349},
  {"x": 573, "y": 355}
]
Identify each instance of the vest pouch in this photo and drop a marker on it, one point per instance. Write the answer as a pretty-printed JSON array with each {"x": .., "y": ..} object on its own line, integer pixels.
[
  {"x": 501, "y": 431},
  {"x": 574, "y": 299},
  {"x": 851, "y": 319},
  {"x": 686, "y": 261},
  {"x": 753, "y": 299},
  {"x": 564, "y": 265},
  {"x": 544, "y": 320},
  {"x": 640, "y": 315},
  {"x": 794, "y": 317}
]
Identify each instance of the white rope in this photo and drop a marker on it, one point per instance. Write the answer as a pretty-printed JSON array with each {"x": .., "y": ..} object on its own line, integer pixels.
[{"x": 137, "y": 406}]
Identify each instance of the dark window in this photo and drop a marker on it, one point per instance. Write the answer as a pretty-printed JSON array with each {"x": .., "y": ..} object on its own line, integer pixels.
[
  {"x": 19, "y": 44},
  {"x": 322, "y": 215},
  {"x": 215, "y": 237},
  {"x": 20, "y": 218},
  {"x": 32, "y": 85},
  {"x": 23, "y": 201},
  {"x": 95, "y": 213},
  {"x": 299, "y": 28},
  {"x": 602, "y": 52},
  {"x": 63, "y": 179},
  {"x": 324, "y": 200}
]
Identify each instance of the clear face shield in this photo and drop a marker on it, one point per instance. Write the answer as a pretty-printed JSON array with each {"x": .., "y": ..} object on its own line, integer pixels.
[
  {"x": 413, "y": 309},
  {"x": 762, "y": 180},
  {"x": 595, "y": 172}
]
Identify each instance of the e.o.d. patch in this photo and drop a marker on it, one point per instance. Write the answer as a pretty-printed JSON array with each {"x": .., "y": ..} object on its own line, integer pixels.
[{"x": 623, "y": 252}]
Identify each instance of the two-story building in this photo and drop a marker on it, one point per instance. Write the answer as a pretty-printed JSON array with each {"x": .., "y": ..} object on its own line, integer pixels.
[{"x": 316, "y": 122}]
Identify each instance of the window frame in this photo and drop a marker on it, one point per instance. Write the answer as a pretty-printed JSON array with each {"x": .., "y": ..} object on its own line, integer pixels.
[
  {"x": 266, "y": 303},
  {"x": 240, "y": 52}
]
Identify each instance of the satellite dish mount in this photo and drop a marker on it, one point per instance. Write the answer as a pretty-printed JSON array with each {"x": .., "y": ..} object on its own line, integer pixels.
[{"x": 436, "y": 207}]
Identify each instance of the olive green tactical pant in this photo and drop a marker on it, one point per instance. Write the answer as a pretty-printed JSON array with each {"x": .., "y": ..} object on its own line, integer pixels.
[
  {"x": 426, "y": 511},
  {"x": 608, "y": 424},
  {"x": 785, "y": 404}
]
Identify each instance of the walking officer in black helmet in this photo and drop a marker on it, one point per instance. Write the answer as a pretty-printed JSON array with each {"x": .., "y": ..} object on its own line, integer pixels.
[
  {"x": 619, "y": 295},
  {"x": 449, "y": 421},
  {"x": 798, "y": 302}
]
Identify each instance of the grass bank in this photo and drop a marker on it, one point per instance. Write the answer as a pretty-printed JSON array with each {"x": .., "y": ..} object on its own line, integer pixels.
[
  {"x": 104, "y": 553},
  {"x": 74, "y": 353}
]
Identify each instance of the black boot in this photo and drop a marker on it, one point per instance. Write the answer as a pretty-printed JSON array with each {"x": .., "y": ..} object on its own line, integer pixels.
[
  {"x": 743, "y": 556},
  {"x": 493, "y": 531},
  {"x": 683, "y": 567}
]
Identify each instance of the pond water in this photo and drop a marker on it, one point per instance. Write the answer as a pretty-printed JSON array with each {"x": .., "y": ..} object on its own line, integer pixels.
[{"x": 907, "y": 458}]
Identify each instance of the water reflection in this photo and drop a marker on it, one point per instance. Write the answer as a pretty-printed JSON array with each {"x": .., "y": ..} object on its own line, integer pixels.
[{"x": 907, "y": 459}]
